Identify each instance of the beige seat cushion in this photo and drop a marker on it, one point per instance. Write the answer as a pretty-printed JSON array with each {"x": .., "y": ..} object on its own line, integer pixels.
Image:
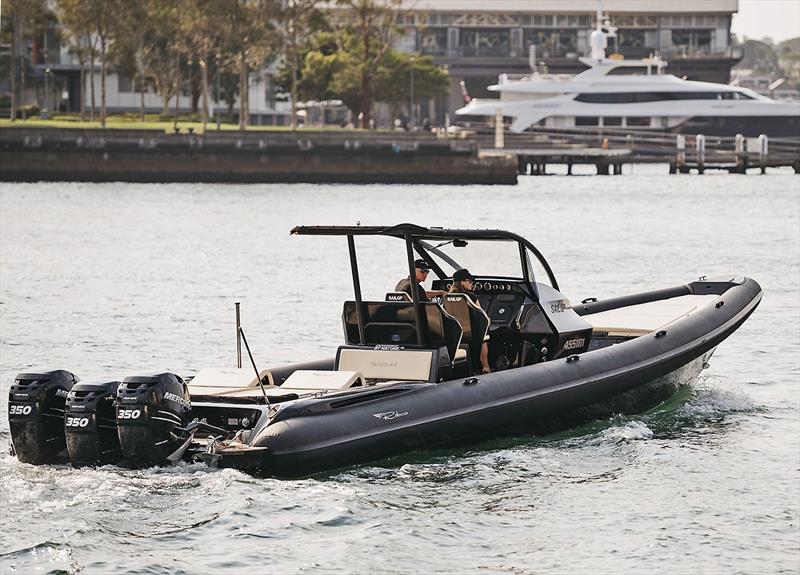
[
  {"x": 373, "y": 364},
  {"x": 647, "y": 317}
]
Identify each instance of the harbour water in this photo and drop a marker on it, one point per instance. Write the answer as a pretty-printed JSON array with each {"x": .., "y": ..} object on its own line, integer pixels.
[{"x": 120, "y": 279}]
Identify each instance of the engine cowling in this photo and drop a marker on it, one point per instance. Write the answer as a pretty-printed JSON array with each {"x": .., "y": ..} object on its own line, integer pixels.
[
  {"x": 90, "y": 423},
  {"x": 152, "y": 412},
  {"x": 36, "y": 415}
]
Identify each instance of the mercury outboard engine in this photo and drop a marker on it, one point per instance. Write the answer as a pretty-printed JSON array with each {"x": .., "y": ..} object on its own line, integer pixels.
[
  {"x": 36, "y": 415},
  {"x": 152, "y": 414},
  {"x": 90, "y": 423},
  {"x": 551, "y": 329}
]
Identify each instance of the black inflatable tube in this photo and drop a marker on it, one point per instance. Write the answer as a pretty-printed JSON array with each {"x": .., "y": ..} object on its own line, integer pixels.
[{"x": 313, "y": 435}]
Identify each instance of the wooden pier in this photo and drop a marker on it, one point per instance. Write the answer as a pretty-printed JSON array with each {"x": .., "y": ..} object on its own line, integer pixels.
[{"x": 608, "y": 150}]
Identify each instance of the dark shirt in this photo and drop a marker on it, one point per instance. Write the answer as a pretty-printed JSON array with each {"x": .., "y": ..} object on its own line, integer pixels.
[{"x": 405, "y": 285}]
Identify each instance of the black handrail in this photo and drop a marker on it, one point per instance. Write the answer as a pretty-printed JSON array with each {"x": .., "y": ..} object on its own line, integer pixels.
[{"x": 351, "y": 247}]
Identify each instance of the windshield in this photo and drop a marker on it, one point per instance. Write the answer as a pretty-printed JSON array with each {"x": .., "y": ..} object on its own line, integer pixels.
[{"x": 482, "y": 258}]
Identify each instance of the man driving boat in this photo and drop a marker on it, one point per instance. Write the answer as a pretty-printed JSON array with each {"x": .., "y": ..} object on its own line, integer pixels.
[{"x": 421, "y": 271}]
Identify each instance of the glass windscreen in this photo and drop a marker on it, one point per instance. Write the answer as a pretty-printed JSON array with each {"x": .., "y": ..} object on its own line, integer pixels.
[{"x": 481, "y": 258}]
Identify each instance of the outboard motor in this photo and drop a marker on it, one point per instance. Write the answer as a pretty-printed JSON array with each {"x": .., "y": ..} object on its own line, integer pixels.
[
  {"x": 551, "y": 329},
  {"x": 90, "y": 423},
  {"x": 152, "y": 414},
  {"x": 36, "y": 415}
]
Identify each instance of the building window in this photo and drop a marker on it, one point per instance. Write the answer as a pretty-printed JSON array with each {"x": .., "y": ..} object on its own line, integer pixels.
[
  {"x": 433, "y": 41},
  {"x": 551, "y": 43},
  {"x": 484, "y": 42},
  {"x": 691, "y": 42}
]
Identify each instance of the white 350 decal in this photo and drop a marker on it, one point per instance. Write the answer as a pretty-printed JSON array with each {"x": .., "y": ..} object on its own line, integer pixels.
[{"x": 76, "y": 422}]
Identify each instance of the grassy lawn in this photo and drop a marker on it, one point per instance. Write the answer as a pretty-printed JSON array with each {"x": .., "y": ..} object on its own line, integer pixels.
[{"x": 132, "y": 122}]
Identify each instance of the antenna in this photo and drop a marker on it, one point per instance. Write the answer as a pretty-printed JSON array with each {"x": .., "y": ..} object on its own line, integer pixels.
[{"x": 253, "y": 362}]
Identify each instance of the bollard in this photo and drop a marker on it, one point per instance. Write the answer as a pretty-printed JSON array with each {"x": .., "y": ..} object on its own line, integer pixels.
[
  {"x": 741, "y": 156},
  {"x": 700, "y": 145},
  {"x": 499, "y": 141},
  {"x": 680, "y": 155},
  {"x": 763, "y": 152}
]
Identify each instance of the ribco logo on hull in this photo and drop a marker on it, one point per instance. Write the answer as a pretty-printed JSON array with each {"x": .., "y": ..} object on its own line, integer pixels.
[{"x": 390, "y": 415}]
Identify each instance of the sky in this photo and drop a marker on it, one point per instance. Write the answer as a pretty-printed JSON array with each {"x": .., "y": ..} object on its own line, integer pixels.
[{"x": 777, "y": 19}]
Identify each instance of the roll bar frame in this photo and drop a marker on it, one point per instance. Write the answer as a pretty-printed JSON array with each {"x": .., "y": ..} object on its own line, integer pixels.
[{"x": 414, "y": 237}]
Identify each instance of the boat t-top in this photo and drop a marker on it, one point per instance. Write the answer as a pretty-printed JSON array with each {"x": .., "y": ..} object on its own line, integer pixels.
[
  {"x": 406, "y": 375},
  {"x": 633, "y": 94}
]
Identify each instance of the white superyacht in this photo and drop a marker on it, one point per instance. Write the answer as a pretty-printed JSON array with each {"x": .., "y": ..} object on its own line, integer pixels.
[{"x": 633, "y": 94}]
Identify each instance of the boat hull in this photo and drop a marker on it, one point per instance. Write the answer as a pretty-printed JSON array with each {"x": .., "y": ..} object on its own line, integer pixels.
[{"x": 327, "y": 433}]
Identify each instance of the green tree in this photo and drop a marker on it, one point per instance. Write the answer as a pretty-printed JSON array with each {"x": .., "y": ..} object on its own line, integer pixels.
[
  {"x": 98, "y": 20},
  {"x": 250, "y": 40},
  {"x": 332, "y": 71},
  {"x": 298, "y": 19},
  {"x": 405, "y": 79},
  {"x": 75, "y": 21},
  {"x": 21, "y": 20},
  {"x": 145, "y": 46},
  {"x": 367, "y": 36},
  {"x": 202, "y": 35}
]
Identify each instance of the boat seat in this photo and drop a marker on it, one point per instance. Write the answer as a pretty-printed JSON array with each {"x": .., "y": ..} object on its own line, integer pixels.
[
  {"x": 397, "y": 296},
  {"x": 394, "y": 323},
  {"x": 224, "y": 381},
  {"x": 319, "y": 380},
  {"x": 386, "y": 364},
  {"x": 474, "y": 322}
]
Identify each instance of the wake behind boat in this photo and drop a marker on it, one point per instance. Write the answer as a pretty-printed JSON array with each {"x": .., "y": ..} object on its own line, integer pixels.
[{"x": 408, "y": 375}]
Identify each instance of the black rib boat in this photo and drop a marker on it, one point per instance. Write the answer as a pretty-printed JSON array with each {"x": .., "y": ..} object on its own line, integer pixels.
[{"x": 407, "y": 376}]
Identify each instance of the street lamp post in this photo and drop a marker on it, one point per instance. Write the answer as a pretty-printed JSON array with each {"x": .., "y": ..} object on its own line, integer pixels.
[
  {"x": 216, "y": 96},
  {"x": 44, "y": 112},
  {"x": 411, "y": 94}
]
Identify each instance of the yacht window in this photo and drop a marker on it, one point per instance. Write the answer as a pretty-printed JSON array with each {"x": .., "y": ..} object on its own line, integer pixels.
[
  {"x": 639, "y": 97},
  {"x": 735, "y": 96},
  {"x": 587, "y": 121},
  {"x": 612, "y": 121},
  {"x": 639, "y": 121}
]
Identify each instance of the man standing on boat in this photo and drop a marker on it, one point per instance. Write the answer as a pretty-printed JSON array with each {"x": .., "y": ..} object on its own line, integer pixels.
[{"x": 421, "y": 270}]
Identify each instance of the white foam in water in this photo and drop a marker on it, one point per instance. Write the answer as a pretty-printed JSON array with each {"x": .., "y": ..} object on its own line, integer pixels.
[
  {"x": 713, "y": 401},
  {"x": 631, "y": 431}
]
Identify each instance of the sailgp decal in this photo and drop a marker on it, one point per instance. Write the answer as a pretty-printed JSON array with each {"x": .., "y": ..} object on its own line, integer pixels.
[{"x": 390, "y": 415}]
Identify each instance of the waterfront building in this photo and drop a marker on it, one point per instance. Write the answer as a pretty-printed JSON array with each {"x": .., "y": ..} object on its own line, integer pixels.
[{"x": 476, "y": 40}]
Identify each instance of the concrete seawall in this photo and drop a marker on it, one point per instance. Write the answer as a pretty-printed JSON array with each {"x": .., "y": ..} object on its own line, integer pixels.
[{"x": 31, "y": 154}]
